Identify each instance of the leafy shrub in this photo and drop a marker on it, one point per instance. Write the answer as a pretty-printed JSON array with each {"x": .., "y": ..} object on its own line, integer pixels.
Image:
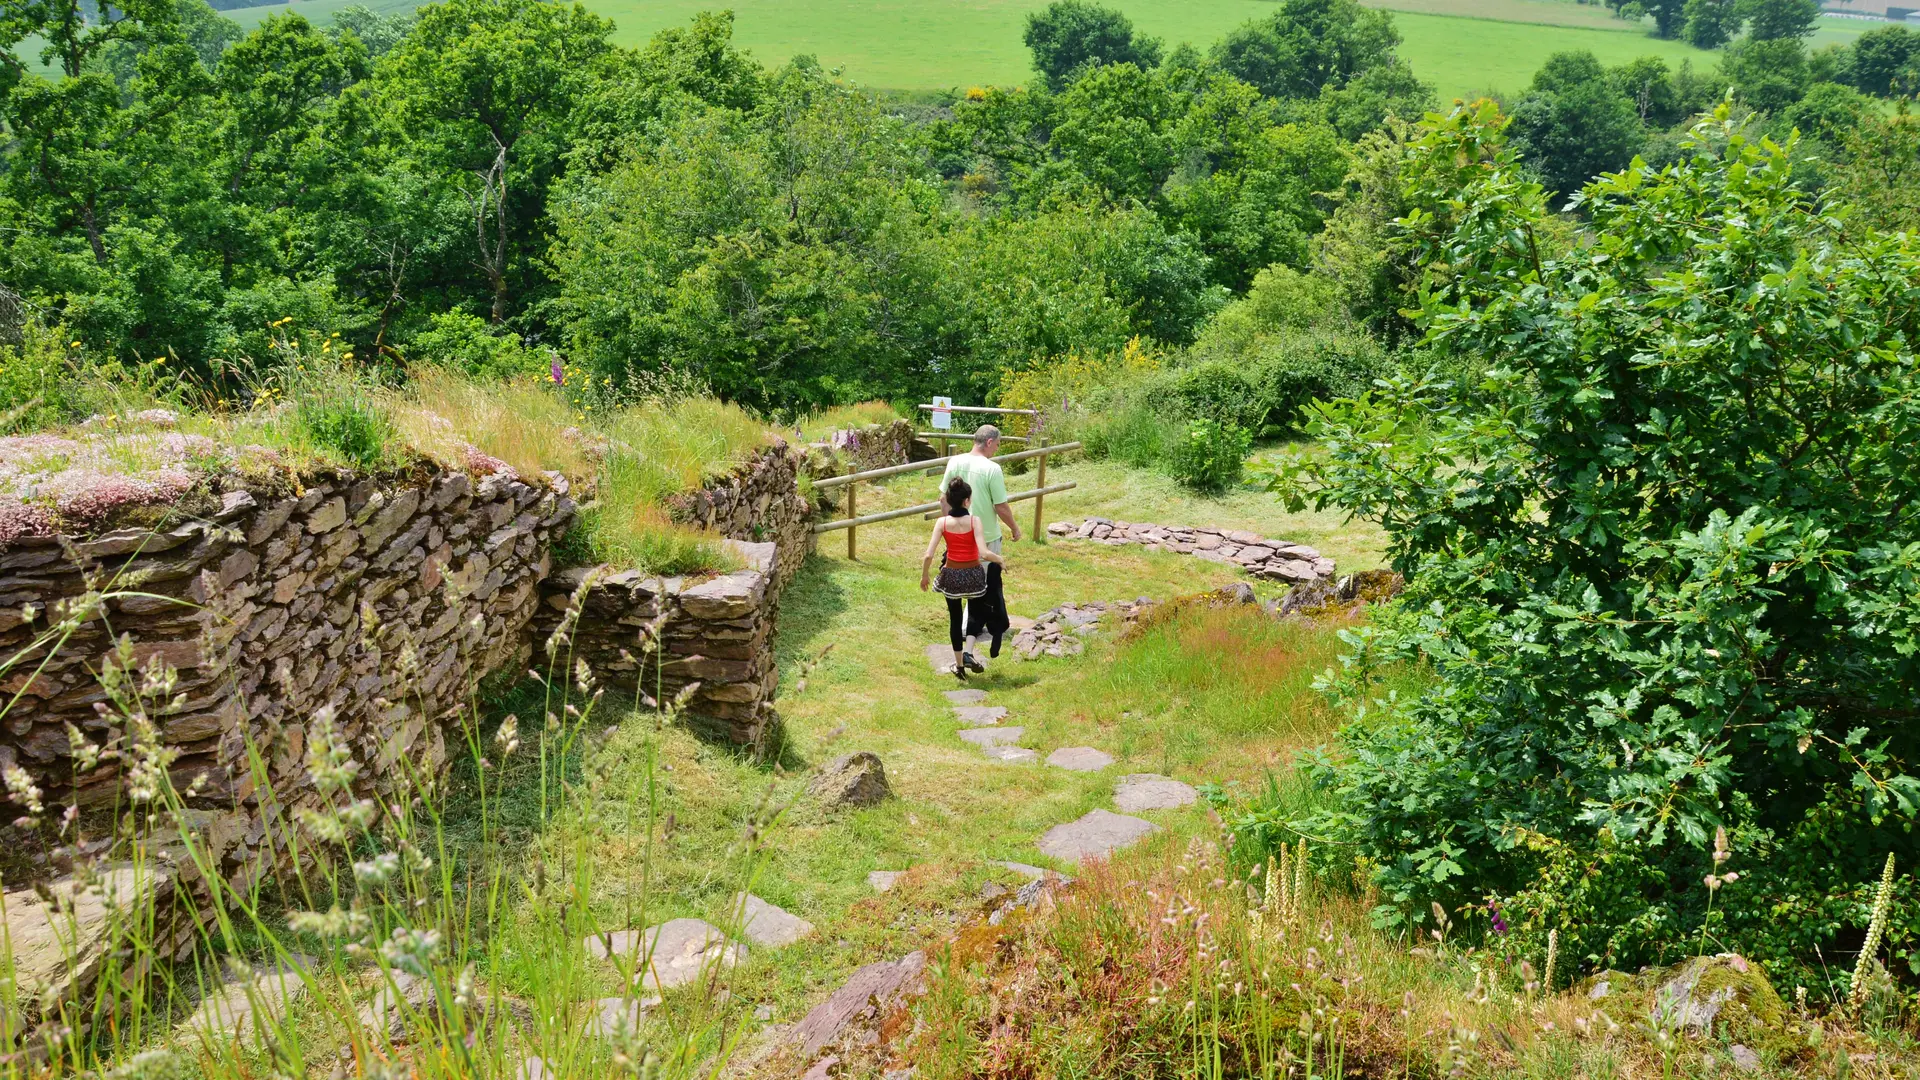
[
  {"x": 1652, "y": 607},
  {"x": 1212, "y": 457},
  {"x": 468, "y": 343},
  {"x": 356, "y": 429}
]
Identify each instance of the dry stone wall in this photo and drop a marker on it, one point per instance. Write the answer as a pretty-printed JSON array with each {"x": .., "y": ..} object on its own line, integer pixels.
[
  {"x": 381, "y": 601},
  {"x": 658, "y": 635}
]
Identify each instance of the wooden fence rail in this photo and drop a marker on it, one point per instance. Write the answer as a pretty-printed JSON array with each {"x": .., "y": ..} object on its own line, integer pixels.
[{"x": 852, "y": 522}]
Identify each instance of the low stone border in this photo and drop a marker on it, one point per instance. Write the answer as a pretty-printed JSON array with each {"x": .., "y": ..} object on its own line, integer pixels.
[{"x": 1272, "y": 560}]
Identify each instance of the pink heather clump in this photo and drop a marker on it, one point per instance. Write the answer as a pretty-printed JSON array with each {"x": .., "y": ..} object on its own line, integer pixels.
[
  {"x": 17, "y": 519},
  {"x": 88, "y": 497},
  {"x": 482, "y": 464},
  {"x": 179, "y": 447},
  {"x": 27, "y": 449}
]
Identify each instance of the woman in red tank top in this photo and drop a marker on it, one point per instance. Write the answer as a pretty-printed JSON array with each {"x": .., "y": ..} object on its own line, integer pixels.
[{"x": 962, "y": 574}]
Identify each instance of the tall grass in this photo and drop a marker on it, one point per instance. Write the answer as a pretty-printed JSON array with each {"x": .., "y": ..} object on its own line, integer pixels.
[
  {"x": 406, "y": 936},
  {"x": 816, "y": 426}
]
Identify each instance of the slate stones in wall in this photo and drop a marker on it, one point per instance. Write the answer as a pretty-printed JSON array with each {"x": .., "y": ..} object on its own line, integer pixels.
[
  {"x": 758, "y": 502},
  {"x": 381, "y": 601},
  {"x": 716, "y": 632}
]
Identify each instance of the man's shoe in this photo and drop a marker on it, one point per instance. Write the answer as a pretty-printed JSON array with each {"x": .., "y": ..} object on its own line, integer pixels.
[{"x": 973, "y": 664}]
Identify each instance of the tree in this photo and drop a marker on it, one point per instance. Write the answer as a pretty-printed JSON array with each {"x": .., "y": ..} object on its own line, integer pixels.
[
  {"x": 1879, "y": 174},
  {"x": 1767, "y": 74},
  {"x": 1307, "y": 45},
  {"x": 1664, "y": 560},
  {"x": 76, "y": 31},
  {"x": 488, "y": 89},
  {"x": 1779, "y": 20},
  {"x": 379, "y": 33},
  {"x": 1881, "y": 60},
  {"x": 1710, "y": 23},
  {"x": 1669, "y": 16},
  {"x": 1649, "y": 85},
  {"x": 1070, "y": 36},
  {"x": 1828, "y": 112},
  {"x": 1574, "y": 123}
]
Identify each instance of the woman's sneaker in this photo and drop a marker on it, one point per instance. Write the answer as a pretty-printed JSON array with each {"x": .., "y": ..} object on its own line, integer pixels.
[
  {"x": 960, "y": 672},
  {"x": 973, "y": 663}
]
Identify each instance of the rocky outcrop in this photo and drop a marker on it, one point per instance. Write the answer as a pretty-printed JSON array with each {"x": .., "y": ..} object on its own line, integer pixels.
[
  {"x": 1271, "y": 560},
  {"x": 368, "y": 606},
  {"x": 856, "y": 779}
]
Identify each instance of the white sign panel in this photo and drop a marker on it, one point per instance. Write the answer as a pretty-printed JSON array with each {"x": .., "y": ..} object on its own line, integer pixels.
[{"x": 943, "y": 413}]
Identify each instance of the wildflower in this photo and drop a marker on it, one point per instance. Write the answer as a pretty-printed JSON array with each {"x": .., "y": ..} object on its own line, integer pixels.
[
  {"x": 411, "y": 951},
  {"x": 1876, "y": 929},
  {"x": 329, "y": 762},
  {"x": 25, "y": 792}
]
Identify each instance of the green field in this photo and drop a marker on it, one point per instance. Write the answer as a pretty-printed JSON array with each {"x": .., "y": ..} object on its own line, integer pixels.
[{"x": 1460, "y": 46}]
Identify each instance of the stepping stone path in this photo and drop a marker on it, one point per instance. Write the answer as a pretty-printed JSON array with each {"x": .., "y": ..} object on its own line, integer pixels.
[
  {"x": 767, "y": 925},
  {"x": 1011, "y": 755},
  {"x": 882, "y": 880},
  {"x": 979, "y": 715},
  {"x": 966, "y": 697},
  {"x": 993, "y": 736},
  {"x": 1094, "y": 836},
  {"x": 680, "y": 950},
  {"x": 941, "y": 657},
  {"x": 611, "y": 1015},
  {"x": 1079, "y": 759},
  {"x": 1273, "y": 560},
  {"x": 1151, "y": 791}
]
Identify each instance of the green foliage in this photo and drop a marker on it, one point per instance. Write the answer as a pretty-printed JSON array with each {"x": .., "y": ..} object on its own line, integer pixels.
[
  {"x": 1710, "y": 23},
  {"x": 468, "y": 343},
  {"x": 1882, "y": 61},
  {"x": 1767, "y": 74},
  {"x": 1070, "y": 37},
  {"x": 1661, "y": 560},
  {"x": 1307, "y": 46},
  {"x": 1880, "y": 170},
  {"x": 1574, "y": 123},
  {"x": 1778, "y": 20},
  {"x": 1211, "y": 456}
]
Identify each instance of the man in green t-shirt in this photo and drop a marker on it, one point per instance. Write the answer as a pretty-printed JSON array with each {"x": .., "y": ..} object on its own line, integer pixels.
[{"x": 986, "y": 616}]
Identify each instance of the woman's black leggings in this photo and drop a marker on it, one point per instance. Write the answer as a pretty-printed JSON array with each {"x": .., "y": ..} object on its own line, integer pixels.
[{"x": 956, "y": 619}]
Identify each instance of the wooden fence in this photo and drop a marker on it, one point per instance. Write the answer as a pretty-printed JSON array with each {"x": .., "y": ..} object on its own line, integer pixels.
[{"x": 852, "y": 522}]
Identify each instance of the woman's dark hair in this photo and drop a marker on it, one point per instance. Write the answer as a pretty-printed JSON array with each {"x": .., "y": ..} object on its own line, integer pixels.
[{"x": 957, "y": 495}]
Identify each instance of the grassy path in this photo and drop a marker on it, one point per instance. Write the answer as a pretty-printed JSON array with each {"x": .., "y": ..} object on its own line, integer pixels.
[{"x": 1222, "y": 698}]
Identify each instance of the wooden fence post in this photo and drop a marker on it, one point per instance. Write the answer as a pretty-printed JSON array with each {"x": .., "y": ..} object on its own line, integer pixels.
[
  {"x": 1039, "y": 500},
  {"x": 851, "y": 529}
]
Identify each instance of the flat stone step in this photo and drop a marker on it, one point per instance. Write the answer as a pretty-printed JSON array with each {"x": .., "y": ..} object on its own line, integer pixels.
[
  {"x": 993, "y": 736},
  {"x": 966, "y": 697},
  {"x": 941, "y": 657},
  {"x": 883, "y": 880},
  {"x": 680, "y": 950},
  {"x": 979, "y": 715},
  {"x": 767, "y": 925},
  {"x": 1079, "y": 759},
  {"x": 1151, "y": 791},
  {"x": 611, "y": 1016},
  {"x": 1011, "y": 755},
  {"x": 1095, "y": 835},
  {"x": 1031, "y": 873}
]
